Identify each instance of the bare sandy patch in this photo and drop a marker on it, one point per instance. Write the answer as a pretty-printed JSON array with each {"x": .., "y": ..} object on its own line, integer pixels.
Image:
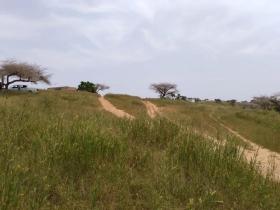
[
  {"x": 267, "y": 160},
  {"x": 109, "y": 107},
  {"x": 152, "y": 109}
]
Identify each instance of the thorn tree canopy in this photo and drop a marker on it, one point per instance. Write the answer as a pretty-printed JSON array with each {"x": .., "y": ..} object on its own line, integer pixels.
[
  {"x": 91, "y": 87},
  {"x": 101, "y": 87},
  {"x": 12, "y": 71},
  {"x": 164, "y": 89}
]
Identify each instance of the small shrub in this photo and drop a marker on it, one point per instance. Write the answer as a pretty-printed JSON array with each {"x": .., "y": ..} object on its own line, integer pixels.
[{"x": 87, "y": 86}]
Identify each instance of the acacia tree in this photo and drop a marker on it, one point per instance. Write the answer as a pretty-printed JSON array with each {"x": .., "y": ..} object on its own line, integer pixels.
[
  {"x": 164, "y": 89},
  {"x": 12, "y": 71},
  {"x": 263, "y": 102},
  {"x": 91, "y": 87},
  {"x": 101, "y": 87},
  {"x": 267, "y": 103}
]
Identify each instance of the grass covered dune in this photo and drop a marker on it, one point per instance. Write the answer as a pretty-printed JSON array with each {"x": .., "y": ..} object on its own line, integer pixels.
[{"x": 61, "y": 151}]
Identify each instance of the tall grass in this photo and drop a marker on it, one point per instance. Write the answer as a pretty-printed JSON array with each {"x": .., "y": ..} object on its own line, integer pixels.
[
  {"x": 131, "y": 104},
  {"x": 262, "y": 127},
  {"x": 79, "y": 157},
  {"x": 197, "y": 116}
]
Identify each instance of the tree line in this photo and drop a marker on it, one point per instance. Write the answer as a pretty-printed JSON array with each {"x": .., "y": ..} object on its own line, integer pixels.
[{"x": 12, "y": 71}]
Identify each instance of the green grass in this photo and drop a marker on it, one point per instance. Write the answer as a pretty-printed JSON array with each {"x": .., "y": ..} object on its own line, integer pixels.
[
  {"x": 196, "y": 116},
  {"x": 262, "y": 127},
  {"x": 61, "y": 151},
  {"x": 130, "y": 104}
]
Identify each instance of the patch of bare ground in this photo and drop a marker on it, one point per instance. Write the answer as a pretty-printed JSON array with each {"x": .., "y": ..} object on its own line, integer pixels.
[
  {"x": 267, "y": 160},
  {"x": 152, "y": 109},
  {"x": 109, "y": 107}
]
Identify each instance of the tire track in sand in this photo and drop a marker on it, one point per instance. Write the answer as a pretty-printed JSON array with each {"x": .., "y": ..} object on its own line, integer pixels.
[
  {"x": 109, "y": 107},
  {"x": 267, "y": 160},
  {"x": 152, "y": 109}
]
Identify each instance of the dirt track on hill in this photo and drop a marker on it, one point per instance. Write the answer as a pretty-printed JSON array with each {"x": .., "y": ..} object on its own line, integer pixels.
[
  {"x": 152, "y": 109},
  {"x": 108, "y": 106},
  {"x": 266, "y": 159}
]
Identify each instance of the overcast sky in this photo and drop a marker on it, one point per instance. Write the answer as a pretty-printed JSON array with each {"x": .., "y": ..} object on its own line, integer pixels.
[{"x": 211, "y": 49}]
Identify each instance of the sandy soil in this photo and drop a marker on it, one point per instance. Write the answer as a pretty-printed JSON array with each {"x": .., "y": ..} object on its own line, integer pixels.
[
  {"x": 266, "y": 159},
  {"x": 108, "y": 106},
  {"x": 152, "y": 109}
]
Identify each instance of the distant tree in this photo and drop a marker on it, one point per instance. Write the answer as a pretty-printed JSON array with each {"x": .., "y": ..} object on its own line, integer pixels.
[
  {"x": 184, "y": 98},
  {"x": 276, "y": 103},
  {"x": 87, "y": 86},
  {"x": 196, "y": 100},
  {"x": 165, "y": 89},
  {"x": 101, "y": 87},
  {"x": 232, "y": 102},
  {"x": 264, "y": 102},
  {"x": 180, "y": 97},
  {"x": 248, "y": 105},
  {"x": 12, "y": 71},
  {"x": 218, "y": 101},
  {"x": 91, "y": 87}
]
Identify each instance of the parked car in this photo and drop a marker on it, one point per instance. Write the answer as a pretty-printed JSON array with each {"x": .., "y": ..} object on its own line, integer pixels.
[{"x": 23, "y": 88}]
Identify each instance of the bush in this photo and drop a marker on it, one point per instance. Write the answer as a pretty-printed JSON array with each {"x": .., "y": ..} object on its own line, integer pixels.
[
  {"x": 232, "y": 102},
  {"x": 180, "y": 97},
  {"x": 276, "y": 104},
  {"x": 87, "y": 86},
  {"x": 218, "y": 101},
  {"x": 197, "y": 100},
  {"x": 267, "y": 103}
]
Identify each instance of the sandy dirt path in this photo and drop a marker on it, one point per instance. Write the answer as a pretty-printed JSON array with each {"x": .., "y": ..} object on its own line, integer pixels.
[
  {"x": 152, "y": 109},
  {"x": 266, "y": 159},
  {"x": 109, "y": 107}
]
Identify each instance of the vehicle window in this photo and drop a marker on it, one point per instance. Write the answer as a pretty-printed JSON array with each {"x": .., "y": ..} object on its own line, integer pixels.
[{"x": 24, "y": 86}]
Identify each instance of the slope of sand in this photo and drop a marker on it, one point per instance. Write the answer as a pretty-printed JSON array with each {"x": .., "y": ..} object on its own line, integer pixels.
[
  {"x": 109, "y": 107},
  {"x": 152, "y": 109},
  {"x": 266, "y": 159}
]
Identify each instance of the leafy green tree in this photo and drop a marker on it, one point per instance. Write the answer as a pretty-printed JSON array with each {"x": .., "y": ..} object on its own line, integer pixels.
[{"x": 87, "y": 86}]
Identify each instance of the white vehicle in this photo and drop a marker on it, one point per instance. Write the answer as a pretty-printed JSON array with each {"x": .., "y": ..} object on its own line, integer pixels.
[{"x": 23, "y": 88}]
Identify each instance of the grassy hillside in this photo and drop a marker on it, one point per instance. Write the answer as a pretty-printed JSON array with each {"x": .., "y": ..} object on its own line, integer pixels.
[
  {"x": 59, "y": 150},
  {"x": 131, "y": 104},
  {"x": 262, "y": 127},
  {"x": 195, "y": 116}
]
